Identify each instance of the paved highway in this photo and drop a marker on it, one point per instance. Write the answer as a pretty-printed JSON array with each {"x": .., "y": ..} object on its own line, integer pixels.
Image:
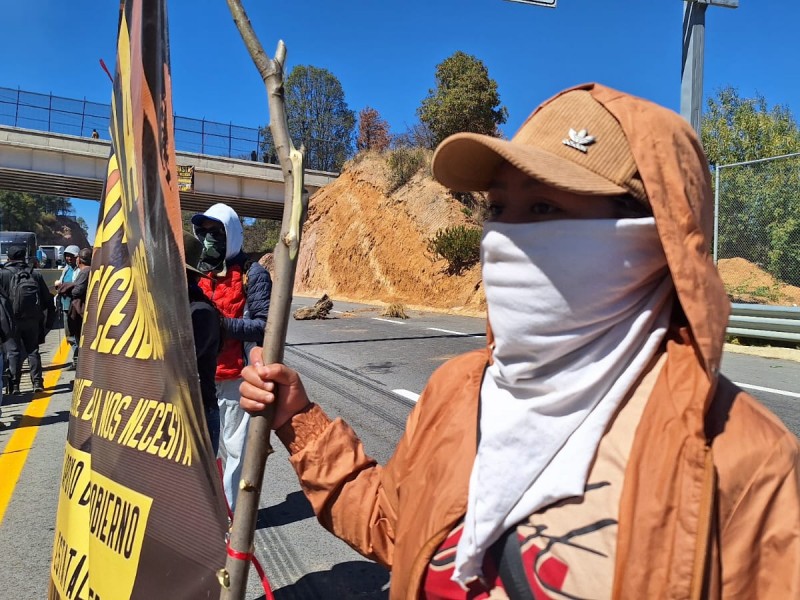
[{"x": 358, "y": 365}]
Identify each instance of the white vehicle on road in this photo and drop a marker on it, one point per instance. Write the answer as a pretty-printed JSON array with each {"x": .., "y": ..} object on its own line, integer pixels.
[{"x": 55, "y": 256}]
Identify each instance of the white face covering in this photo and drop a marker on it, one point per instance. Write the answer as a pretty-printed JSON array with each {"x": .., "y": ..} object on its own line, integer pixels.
[{"x": 578, "y": 308}]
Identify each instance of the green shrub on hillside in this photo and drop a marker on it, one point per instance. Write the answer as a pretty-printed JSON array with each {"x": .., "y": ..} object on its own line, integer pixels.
[
  {"x": 459, "y": 246},
  {"x": 404, "y": 163}
]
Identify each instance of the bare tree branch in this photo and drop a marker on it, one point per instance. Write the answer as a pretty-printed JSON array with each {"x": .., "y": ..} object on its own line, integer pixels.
[
  {"x": 250, "y": 39},
  {"x": 233, "y": 577}
]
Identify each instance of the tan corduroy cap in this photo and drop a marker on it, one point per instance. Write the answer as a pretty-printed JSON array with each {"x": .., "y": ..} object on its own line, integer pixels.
[{"x": 571, "y": 142}]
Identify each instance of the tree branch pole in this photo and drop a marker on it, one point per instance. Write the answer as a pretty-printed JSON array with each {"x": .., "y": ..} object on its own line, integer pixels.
[{"x": 233, "y": 578}]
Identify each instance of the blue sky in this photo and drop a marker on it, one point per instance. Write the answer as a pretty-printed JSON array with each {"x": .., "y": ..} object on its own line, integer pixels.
[{"x": 385, "y": 53}]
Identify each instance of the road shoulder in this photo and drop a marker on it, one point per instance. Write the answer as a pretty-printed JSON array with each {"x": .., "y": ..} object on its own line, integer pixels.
[{"x": 773, "y": 352}]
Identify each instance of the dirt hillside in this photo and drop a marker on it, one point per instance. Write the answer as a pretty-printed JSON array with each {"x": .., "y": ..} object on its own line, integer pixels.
[
  {"x": 61, "y": 230},
  {"x": 364, "y": 244},
  {"x": 749, "y": 283},
  {"x": 361, "y": 243}
]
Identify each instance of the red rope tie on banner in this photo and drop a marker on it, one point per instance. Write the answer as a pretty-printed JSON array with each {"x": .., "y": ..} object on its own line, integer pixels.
[
  {"x": 240, "y": 555},
  {"x": 246, "y": 555},
  {"x": 257, "y": 565}
]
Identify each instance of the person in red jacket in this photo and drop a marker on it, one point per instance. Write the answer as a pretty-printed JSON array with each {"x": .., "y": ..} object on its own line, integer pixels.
[{"x": 240, "y": 289}]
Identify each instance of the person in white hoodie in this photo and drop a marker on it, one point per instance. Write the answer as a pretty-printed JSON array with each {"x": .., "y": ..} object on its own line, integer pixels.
[{"x": 240, "y": 289}]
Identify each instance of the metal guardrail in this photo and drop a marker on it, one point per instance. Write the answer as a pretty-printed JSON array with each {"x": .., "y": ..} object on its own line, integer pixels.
[{"x": 780, "y": 323}]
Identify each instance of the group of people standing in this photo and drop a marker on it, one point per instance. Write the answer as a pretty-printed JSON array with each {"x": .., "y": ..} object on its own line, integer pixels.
[
  {"x": 229, "y": 297},
  {"x": 28, "y": 310},
  {"x": 592, "y": 449},
  {"x": 26, "y": 314}
]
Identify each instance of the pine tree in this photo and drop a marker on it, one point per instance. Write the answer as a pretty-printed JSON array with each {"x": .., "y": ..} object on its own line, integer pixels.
[{"x": 465, "y": 99}]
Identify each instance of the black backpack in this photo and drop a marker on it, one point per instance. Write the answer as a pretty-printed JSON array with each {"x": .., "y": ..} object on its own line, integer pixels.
[{"x": 24, "y": 291}]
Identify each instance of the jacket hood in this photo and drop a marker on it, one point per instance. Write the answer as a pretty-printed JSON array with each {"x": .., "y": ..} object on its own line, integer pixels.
[
  {"x": 677, "y": 180},
  {"x": 234, "y": 233}
]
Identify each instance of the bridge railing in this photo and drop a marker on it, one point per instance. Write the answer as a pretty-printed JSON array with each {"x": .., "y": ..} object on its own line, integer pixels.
[{"x": 46, "y": 112}]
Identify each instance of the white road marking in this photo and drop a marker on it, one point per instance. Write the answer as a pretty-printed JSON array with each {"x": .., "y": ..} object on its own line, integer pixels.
[
  {"x": 406, "y": 394},
  {"x": 747, "y": 386},
  {"x": 341, "y": 312},
  {"x": 447, "y": 331},
  {"x": 388, "y": 321}
]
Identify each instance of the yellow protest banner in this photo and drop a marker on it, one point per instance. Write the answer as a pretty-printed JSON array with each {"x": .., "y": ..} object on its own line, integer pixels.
[
  {"x": 141, "y": 511},
  {"x": 117, "y": 519}
]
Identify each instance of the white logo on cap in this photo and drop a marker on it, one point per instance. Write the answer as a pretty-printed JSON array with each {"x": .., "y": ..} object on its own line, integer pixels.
[{"x": 580, "y": 140}]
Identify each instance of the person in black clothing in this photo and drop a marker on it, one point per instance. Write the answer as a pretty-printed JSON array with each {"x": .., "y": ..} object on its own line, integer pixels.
[
  {"x": 207, "y": 331},
  {"x": 29, "y": 331},
  {"x": 75, "y": 291}
]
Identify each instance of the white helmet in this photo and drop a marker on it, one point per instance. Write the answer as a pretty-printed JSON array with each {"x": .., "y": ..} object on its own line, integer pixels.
[{"x": 73, "y": 249}]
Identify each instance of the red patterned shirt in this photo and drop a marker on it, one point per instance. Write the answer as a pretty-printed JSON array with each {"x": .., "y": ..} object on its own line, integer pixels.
[{"x": 567, "y": 549}]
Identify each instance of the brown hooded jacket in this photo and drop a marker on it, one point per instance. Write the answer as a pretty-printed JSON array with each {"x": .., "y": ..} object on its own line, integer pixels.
[{"x": 710, "y": 504}]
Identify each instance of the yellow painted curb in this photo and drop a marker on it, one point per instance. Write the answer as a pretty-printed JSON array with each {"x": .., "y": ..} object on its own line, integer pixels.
[{"x": 14, "y": 455}]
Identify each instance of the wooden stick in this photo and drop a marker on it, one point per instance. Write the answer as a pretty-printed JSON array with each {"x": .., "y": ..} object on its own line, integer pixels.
[{"x": 234, "y": 577}]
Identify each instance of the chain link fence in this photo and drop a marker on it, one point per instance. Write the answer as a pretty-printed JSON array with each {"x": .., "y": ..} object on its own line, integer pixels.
[
  {"x": 46, "y": 112},
  {"x": 757, "y": 229}
]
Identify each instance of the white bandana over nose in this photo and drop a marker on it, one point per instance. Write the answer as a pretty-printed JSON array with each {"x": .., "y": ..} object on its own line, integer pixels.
[{"x": 578, "y": 308}]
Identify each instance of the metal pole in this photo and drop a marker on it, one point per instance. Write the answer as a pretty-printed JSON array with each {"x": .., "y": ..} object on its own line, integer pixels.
[
  {"x": 716, "y": 211},
  {"x": 694, "y": 35},
  {"x": 16, "y": 110},
  {"x": 49, "y": 111},
  {"x": 761, "y": 160}
]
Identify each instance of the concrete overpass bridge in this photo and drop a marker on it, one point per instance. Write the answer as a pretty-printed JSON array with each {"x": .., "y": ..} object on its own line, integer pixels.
[
  {"x": 47, "y": 147},
  {"x": 42, "y": 162}
]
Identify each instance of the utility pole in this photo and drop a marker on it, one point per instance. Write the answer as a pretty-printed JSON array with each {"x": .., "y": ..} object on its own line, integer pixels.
[{"x": 694, "y": 37}]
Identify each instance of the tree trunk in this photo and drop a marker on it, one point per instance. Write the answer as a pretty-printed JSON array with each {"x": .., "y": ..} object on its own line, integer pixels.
[{"x": 319, "y": 310}]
